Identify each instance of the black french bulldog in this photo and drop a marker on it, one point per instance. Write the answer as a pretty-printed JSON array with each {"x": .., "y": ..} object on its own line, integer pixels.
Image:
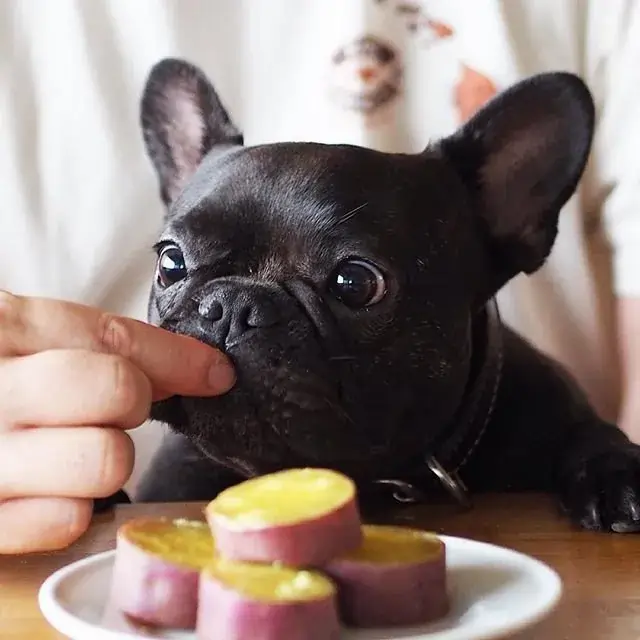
[{"x": 353, "y": 290}]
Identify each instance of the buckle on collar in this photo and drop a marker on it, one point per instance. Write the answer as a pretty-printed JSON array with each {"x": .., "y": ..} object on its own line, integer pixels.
[
  {"x": 452, "y": 482},
  {"x": 404, "y": 492},
  {"x": 407, "y": 493}
]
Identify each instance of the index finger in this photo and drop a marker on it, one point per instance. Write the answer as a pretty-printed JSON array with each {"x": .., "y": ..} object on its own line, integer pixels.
[{"x": 175, "y": 364}]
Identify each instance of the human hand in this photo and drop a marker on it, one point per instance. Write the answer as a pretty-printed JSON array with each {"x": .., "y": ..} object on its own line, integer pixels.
[{"x": 73, "y": 379}]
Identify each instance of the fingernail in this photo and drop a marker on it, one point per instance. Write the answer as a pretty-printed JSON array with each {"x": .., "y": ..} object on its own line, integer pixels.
[{"x": 222, "y": 375}]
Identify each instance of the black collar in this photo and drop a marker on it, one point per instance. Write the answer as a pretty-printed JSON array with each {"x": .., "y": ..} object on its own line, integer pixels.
[{"x": 451, "y": 450}]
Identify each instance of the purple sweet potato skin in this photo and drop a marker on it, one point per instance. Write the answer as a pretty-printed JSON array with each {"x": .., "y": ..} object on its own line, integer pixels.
[
  {"x": 310, "y": 543},
  {"x": 153, "y": 591},
  {"x": 376, "y": 596},
  {"x": 225, "y": 614}
]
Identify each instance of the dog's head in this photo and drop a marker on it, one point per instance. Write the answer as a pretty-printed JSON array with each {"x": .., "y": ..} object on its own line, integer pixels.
[{"x": 342, "y": 281}]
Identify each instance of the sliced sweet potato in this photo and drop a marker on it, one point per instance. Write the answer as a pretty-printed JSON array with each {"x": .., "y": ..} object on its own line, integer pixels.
[
  {"x": 157, "y": 569},
  {"x": 397, "y": 577},
  {"x": 299, "y": 517},
  {"x": 242, "y": 601}
]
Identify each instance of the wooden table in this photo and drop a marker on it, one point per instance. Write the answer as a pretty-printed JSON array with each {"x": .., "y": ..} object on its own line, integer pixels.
[{"x": 601, "y": 573}]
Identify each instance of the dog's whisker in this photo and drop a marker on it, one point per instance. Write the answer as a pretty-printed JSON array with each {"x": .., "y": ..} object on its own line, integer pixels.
[
  {"x": 339, "y": 410},
  {"x": 340, "y": 358},
  {"x": 350, "y": 214}
]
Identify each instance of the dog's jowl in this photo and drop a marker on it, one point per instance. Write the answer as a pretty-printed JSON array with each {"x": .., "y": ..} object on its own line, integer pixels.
[{"x": 354, "y": 292}]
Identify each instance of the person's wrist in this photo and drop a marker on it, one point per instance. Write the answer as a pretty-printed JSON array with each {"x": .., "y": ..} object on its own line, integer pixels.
[
  {"x": 628, "y": 325},
  {"x": 630, "y": 413}
]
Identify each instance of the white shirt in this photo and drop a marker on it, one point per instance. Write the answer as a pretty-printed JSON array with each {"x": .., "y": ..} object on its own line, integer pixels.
[{"x": 79, "y": 201}]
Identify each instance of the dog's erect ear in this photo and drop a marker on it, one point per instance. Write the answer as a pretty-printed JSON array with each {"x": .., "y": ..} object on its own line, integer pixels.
[
  {"x": 521, "y": 158},
  {"x": 182, "y": 119}
]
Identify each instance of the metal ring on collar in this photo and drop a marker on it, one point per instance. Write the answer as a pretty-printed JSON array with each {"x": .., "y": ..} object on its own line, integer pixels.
[{"x": 451, "y": 482}]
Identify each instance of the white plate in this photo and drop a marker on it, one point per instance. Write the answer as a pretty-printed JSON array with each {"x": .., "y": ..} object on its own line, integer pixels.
[{"x": 495, "y": 592}]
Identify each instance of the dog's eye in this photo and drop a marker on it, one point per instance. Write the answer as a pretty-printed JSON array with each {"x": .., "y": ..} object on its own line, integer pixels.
[
  {"x": 357, "y": 284},
  {"x": 171, "y": 266}
]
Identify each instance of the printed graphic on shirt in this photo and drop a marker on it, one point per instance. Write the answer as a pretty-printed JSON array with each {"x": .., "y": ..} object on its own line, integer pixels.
[
  {"x": 366, "y": 75},
  {"x": 419, "y": 22},
  {"x": 472, "y": 91}
]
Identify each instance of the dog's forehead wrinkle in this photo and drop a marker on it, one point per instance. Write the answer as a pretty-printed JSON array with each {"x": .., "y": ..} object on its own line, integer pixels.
[
  {"x": 294, "y": 253},
  {"x": 195, "y": 231}
]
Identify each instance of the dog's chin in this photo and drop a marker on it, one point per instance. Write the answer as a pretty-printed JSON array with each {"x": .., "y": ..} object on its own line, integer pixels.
[
  {"x": 289, "y": 412},
  {"x": 255, "y": 435}
]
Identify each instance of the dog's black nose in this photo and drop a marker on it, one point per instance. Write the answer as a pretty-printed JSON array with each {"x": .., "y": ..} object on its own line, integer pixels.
[
  {"x": 234, "y": 310},
  {"x": 210, "y": 309}
]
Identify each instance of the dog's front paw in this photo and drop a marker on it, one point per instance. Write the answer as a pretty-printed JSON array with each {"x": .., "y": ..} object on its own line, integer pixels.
[{"x": 602, "y": 492}]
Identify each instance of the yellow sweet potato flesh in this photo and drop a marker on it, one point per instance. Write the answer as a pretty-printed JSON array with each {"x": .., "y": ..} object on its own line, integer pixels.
[
  {"x": 285, "y": 497},
  {"x": 270, "y": 583},
  {"x": 184, "y": 542},
  {"x": 394, "y": 545}
]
